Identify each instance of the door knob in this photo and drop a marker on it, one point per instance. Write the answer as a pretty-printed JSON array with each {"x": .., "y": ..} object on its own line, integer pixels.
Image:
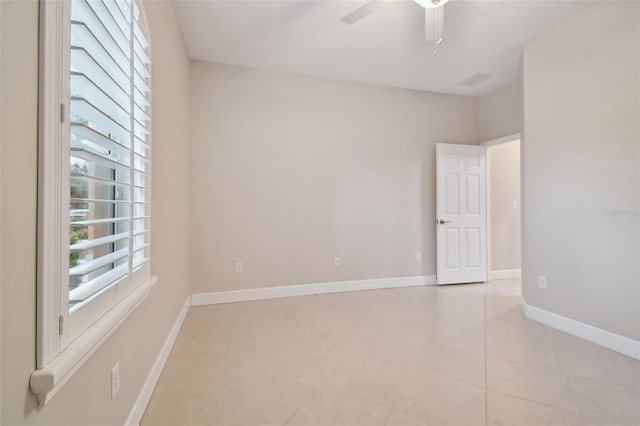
[{"x": 442, "y": 222}]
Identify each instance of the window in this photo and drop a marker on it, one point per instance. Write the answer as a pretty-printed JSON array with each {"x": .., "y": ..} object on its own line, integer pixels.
[
  {"x": 94, "y": 230},
  {"x": 108, "y": 206}
]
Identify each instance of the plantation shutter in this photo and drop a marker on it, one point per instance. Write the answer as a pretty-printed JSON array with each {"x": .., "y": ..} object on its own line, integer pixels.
[
  {"x": 141, "y": 195},
  {"x": 109, "y": 146}
]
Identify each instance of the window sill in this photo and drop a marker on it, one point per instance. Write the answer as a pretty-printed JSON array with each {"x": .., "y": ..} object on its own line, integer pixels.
[{"x": 47, "y": 381}]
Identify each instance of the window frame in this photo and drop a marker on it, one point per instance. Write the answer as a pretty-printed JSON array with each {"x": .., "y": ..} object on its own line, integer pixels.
[{"x": 65, "y": 343}]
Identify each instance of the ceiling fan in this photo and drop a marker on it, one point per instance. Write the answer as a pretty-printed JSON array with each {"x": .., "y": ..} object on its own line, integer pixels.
[{"x": 433, "y": 17}]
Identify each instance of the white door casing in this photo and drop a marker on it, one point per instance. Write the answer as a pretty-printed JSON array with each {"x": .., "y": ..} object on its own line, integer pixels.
[
  {"x": 461, "y": 213},
  {"x": 515, "y": 137}
]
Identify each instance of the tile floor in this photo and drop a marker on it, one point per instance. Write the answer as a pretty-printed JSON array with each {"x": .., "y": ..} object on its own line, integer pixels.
[{"x": 455, "y": 355}]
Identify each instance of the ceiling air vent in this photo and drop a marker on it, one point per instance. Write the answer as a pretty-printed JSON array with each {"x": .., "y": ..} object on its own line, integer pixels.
[{"x": 476, "y": 79}]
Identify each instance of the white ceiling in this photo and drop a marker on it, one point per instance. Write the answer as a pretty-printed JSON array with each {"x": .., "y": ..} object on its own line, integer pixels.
[{"x": 387, "y": 48}]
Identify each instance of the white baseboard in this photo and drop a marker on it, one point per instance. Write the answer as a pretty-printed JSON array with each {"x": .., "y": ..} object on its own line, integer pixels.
[
  {"x": 505, "y": 274},
  {"x": 231, "y": 296},
  {"x": 135, "y": 416},
  {"x": 601, "y": 337}
]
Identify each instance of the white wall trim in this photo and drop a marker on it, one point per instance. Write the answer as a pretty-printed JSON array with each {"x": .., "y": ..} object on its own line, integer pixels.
[
  {"x": 504, "y": 139},
  {"x": 137, "y": 411},
  {"x": 47, "y": 381},
  {"x": 601, "y": 337},
  {"x": 505, "y": 274},
  {"x": 217, "y": 297},
  {"x": 53, "y": 139}
]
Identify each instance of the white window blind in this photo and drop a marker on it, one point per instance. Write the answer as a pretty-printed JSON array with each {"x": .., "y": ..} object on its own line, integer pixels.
[{"x": 109, "y": 152}]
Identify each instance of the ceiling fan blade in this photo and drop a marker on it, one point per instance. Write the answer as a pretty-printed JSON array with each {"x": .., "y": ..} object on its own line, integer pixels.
[
  {"x": 364, "y": 11},
  {"x": 433, "y": 24}
]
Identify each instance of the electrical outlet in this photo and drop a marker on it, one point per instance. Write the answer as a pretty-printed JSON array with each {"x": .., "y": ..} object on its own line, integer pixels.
[
  {"x": 418, "y": 257},
  {"x": 515, "y": 205},
  {"x": 337, "y": 262},
  {"x": 542, "y": 282},
  {"x": 115, "y": 380},
  {"x": 239, "y": 268}
]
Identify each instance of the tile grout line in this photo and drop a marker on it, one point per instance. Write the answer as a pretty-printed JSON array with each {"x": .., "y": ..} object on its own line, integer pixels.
[
  {"x": 296, "y": 411},
  {"x": 518, "y": 362},
  {"x": 393, "y": 406},
  {"x": 560, "y": 370},
  {"x": 568, "y": 376},
  {"x": 486, "y": 378},
  {"x": 388, "y": 416},
  {"x": 546, "y": 404},
  {"x": 552, "y": 352}
]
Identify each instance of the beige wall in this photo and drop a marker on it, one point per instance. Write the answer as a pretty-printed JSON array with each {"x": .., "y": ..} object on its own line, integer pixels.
[
  {"x": 500, "y": 112},
  {"x": 504, "y": 178},
  {"x": 581, "y": 168},
  {"x": 290, "y": 172},
  {"x": 85, "y": 399}
]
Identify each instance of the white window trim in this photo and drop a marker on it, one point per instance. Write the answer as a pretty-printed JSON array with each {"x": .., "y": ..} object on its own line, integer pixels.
[
  {"x": 47, "y": 381},
  {"x": 58, "y": 359}
]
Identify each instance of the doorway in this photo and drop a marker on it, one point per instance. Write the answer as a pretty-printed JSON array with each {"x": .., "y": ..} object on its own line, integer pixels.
[{"x": 504, "y": 207}]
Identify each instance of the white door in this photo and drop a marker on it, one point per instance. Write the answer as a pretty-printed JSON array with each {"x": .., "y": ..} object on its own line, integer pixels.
[{"x": 461, "y": 213}]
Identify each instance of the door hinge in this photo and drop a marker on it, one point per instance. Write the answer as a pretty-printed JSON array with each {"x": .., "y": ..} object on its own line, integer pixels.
[
  {"x": 60, "y": 325},
  {"x": 62, "y": 113}
]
